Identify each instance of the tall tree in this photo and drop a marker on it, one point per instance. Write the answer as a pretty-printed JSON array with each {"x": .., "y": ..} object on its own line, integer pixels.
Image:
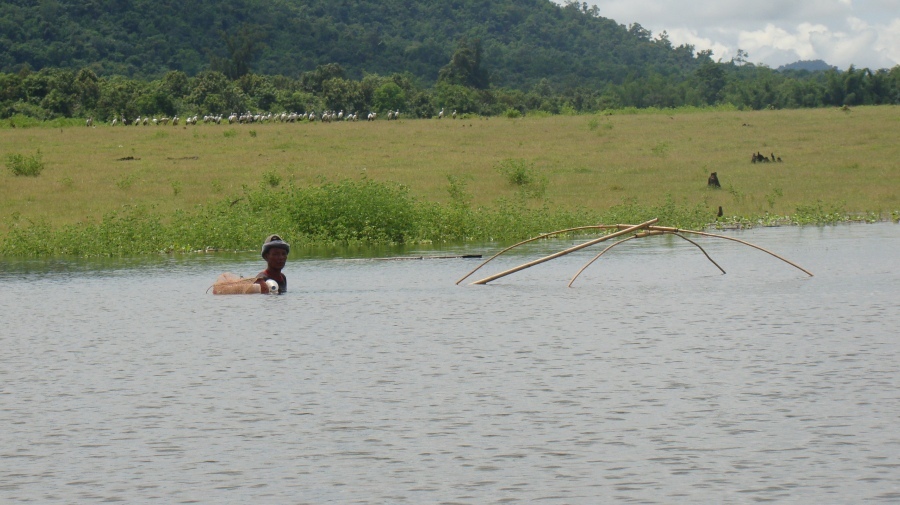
[
  {"x": 242, "y": 46},
  {"x": 465, "y": 67}
]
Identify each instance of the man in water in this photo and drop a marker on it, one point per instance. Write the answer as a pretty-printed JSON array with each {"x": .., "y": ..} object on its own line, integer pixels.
[{"x": 275, "y": 252}]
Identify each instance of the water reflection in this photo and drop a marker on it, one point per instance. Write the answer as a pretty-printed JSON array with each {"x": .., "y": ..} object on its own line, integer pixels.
[{"x": 655, "y": 379}]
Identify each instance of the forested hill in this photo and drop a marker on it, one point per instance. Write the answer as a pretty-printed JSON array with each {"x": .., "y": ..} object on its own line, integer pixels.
[{"x": 522, "y": 41}]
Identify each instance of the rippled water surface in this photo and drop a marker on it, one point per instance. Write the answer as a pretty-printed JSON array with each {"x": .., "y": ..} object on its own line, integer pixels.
[{"x": 655, "y": 379}]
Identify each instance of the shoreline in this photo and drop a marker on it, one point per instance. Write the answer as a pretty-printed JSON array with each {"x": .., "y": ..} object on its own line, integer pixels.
[{"x": 421, "y": 180}]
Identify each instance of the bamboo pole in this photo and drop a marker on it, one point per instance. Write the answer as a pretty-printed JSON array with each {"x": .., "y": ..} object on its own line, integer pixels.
[
  {"x": 705, "y": 234},
  {"x": 544, "y": 235},
  {"x": 642, "y": 235},
  {"x": 598, "y": 256},
  {"x": 629, "y": 229},
  {"x": 702, "y": 249}
]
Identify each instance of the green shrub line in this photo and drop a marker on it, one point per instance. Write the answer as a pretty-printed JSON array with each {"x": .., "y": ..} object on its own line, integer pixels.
[{"x": 358, "y": 213}]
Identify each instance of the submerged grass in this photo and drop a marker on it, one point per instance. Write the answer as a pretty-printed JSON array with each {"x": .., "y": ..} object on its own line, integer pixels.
[{"x": 127, "y": 190}]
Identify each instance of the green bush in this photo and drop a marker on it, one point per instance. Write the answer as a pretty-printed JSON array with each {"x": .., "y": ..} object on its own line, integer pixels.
[
  {"x": 353, "y": 211},
  {"x": 524, "y": 176},
  {"x": 347, "y": 212},
  {"x": 30, "y": 166},
  {"x": 271, "y": 178}
]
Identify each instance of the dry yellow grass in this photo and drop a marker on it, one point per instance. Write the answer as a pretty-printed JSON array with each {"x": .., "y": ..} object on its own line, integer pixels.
[{"x": 590, "y": 161}]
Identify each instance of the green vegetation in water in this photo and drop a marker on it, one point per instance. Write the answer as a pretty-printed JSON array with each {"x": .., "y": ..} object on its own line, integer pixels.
[
  {"x": 358, "y": 213},
  {"x": 351, "y": 212}
]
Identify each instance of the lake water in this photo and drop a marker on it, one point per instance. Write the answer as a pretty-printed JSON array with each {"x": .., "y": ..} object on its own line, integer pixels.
[{"x": 655, "y": 379}]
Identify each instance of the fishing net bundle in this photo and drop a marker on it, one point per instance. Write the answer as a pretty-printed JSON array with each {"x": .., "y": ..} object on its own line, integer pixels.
[{"x": 233, "y": 284}]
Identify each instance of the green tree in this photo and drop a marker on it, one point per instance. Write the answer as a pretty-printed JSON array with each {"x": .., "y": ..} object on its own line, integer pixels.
[
  {"x": 465, "y": 67},
  {"x": 455, "y": 97},
  {"x": 118, "y": 98},
  {"x": 298, "y": 101},
  {"x": 312, "y": 81},
  {"x": 389, "y": 96},
  {"x": 710, "y": 82},
  {"x": 212, "y": 92},
  {"x": 87, "y": 87},
  {"x": 175, "y": 83},
  {"x": 242, "y": 46},
  {"x": 342, "y": 94}
]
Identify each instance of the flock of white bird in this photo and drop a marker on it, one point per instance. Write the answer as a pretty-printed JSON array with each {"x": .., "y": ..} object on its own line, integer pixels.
[{"x": 249, "y": 117}]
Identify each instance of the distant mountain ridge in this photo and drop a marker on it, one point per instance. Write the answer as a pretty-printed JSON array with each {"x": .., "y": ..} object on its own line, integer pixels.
[
  {"x": 810, "y": 65},
  {"x": 523, "y": 41}
]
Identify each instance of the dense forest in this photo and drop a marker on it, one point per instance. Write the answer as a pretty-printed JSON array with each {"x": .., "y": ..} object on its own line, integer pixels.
[
  {"x": 524, "y": 40},
  {"x": 115, "y": 58}
]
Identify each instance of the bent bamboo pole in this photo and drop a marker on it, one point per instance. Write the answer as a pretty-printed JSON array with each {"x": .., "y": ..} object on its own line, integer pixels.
[
  {"x": 677, "y": 230},
  {"x": 629, "y": 229},
  {"x": 598, "y": 256},
  {"x": 544, "y": 235},
  {"x": 642, "y": 235},
  {"x": 702, "y": 249}
]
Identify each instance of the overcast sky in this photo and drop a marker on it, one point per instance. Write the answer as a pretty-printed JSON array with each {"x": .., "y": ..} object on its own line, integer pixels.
[{"x": 865, "y": 33}]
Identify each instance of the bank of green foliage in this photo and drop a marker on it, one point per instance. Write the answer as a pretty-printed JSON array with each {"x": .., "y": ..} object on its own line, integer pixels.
[
  {"x": 522, "y": 39},
  {"x": 106, "y": 58},
  {"x": 348, "y": 212},
  {"x": 53, "y": 96},
  {"x": 345, "y": 212}
]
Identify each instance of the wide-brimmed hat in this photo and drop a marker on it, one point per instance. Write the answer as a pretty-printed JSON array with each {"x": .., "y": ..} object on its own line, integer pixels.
[{"x": 277, "y": 242}]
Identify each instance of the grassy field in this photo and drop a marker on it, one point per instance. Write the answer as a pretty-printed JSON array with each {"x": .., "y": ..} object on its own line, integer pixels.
[{"x": 848, "y": 159}]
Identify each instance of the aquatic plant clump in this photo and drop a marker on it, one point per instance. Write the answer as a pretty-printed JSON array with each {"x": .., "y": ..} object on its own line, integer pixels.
[{"x": 357, "y": 212}]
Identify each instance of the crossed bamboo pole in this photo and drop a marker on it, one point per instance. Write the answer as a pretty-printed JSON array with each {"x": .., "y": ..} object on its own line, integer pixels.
[{"x": 624, "y": 229}]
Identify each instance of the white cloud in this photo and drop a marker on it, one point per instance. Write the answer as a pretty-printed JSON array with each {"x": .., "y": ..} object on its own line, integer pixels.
[
  {"x": 888, "y": 45},
  {"x": 774, "y": 32}
]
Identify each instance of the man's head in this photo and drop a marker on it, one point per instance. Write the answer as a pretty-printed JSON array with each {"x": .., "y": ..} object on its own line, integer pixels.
[{"x": 275, "y": 242}]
